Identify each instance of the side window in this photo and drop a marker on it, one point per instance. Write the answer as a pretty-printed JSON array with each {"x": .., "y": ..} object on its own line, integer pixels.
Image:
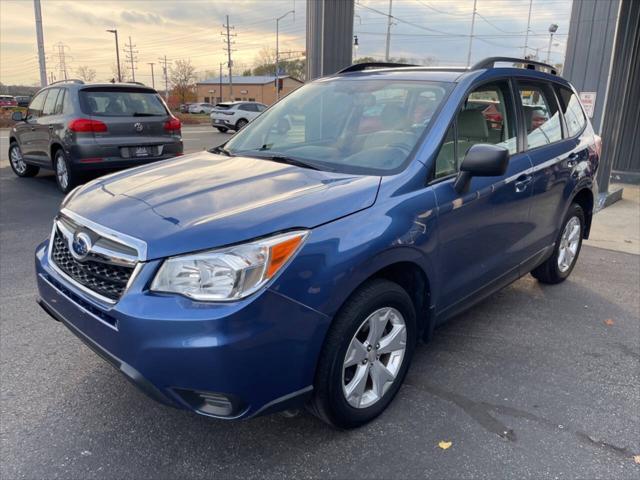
[
  {"x": 67, "y": 105},
  {"x": 541, "y": 116},
  {"x": 485, "y": 117},
  {"x": 50, "y": 102},
  {"x": 59, "y": 102},
  {"x": 35, "y": 107},
  {"x": 573, "y": 113}
]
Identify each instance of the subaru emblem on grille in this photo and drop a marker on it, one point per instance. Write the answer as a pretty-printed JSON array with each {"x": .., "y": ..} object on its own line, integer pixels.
[
  {"x": 138, "y": 126},
  {"x": 80, "y": 246}
]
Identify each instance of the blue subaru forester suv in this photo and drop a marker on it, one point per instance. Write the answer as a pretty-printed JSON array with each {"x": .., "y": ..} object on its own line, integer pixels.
[{"x": 301, "y": 262}]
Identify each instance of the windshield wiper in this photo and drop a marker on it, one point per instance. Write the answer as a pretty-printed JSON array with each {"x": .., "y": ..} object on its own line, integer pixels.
[
  {"x": 289, "y": 161},
  {"x": 220, "y": 149}
]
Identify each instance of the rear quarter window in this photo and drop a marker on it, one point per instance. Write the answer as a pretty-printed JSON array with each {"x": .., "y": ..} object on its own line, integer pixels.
[{"x": 573, "y": 114}]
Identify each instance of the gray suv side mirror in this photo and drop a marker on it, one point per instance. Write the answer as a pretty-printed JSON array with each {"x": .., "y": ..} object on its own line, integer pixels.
[
  {"x": 481, "y": 160},
  {"x": 18, "y": 116}
]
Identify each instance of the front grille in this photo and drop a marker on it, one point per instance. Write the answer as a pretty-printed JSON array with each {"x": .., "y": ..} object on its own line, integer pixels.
[{"x": 105, "y": 279}]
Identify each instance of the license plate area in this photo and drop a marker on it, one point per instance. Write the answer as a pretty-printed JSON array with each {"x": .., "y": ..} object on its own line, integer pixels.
[{"x": 141, "y": 151}]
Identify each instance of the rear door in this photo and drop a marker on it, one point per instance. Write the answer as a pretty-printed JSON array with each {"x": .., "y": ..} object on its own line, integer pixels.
[
  {"x": 44, "y": 128},
  {"x": 135, "y": 119},
  {"x": 554, "y": 155},
  {"x": 482, "y": 233}
]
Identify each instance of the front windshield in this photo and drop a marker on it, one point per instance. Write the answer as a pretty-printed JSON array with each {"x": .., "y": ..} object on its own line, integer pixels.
[{"x": 351, "y": 125}]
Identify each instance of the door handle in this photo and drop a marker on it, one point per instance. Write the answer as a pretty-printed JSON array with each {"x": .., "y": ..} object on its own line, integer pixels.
[{"x": 522, "y": 182}]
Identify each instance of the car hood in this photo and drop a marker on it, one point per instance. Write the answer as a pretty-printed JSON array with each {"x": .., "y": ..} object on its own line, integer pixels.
[{"x": 205, "y": 200}]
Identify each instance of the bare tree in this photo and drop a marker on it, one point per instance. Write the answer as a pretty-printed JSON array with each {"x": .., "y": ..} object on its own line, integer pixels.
[
  {"x": 183, "y": 76},
  {"x": 85, "y": 73}
]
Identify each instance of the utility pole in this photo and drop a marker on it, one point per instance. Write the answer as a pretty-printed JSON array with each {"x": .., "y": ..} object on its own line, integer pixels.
[
  {"x": 473, "y": 24},
  {"x": 40, "y": 37},
  {"x": 131, "y": 57},
  {"x": 278, "y": 51},
  {"x": 163, "y": 62},
  {"x": 115, "y": 32},
  {"x": 220, "y": 81},
  {"x": 389, "y": 23},
  {"x": 153, "y": 79},
  {"x": 526, "y": 37},
  {"x": 228, "y": 41}
]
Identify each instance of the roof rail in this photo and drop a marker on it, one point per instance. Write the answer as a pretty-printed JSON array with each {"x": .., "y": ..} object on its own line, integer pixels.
[
  {"x": 136, "y": 83},
  {"x": 528, "y": 64},
  {"x": 359, "y": 67},
  {"x": 68, "y": 80}
]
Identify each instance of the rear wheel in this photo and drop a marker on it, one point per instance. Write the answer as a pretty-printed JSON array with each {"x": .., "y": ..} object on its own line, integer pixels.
[
  {"x": 565, "y": 255},
  {"x": 18, "y": 165},
  {"x": 66, "y": 178},
  {"x": 365, "y": 356}
]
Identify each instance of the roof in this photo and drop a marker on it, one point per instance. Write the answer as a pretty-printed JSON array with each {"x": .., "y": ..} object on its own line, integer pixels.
[{"x": 244, "y": 80}]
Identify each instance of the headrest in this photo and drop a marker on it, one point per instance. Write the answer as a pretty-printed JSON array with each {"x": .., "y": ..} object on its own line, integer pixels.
[{"x": 472, "y": 125}]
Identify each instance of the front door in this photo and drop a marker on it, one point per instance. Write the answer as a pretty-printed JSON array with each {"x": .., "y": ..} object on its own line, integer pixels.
[{"x": 483, "y": 233}]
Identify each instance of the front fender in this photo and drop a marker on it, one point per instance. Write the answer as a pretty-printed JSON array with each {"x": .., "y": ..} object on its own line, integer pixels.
[{"x": 338, "y": 257}]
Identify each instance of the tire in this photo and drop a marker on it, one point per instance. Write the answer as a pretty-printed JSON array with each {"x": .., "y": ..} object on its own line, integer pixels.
[
  {"x": 222, "y": 129},
  {"x": 18, "y": 165},
  {"x": 331, "y": 402},
  {"x": 559, "y": 266},
  {"x": 240, "y": 124},
  {"x": 61, "y": 165}
]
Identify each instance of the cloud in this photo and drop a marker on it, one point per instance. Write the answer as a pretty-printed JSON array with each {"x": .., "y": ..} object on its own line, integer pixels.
[{"x": 149, "y": 18}]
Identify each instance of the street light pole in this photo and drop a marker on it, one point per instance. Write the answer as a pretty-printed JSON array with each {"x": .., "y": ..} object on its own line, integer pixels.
[
  {"x": 278, "y": 51},
  {"x": 553, "y": 28},
  {"x": 115, "y": 32},
  {"x": 389, "y": 23}
]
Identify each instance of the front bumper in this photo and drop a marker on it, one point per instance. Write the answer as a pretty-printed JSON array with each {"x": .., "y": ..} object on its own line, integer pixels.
[{"x": 260, "y": 353}]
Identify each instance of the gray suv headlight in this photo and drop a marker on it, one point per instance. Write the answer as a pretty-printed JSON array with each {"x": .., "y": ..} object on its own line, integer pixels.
[{"x": 230, "y": 273}]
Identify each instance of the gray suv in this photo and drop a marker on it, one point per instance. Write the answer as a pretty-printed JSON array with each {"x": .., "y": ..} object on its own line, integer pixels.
[{"x": 74, "y": 128}]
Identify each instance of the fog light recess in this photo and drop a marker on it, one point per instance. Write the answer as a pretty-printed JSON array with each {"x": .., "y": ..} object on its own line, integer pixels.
[{"x": 212, "y": 403}]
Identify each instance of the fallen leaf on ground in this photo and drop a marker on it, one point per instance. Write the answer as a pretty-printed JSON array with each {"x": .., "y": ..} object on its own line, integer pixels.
[
  {"x": 608, "y": 322},
  {"x": 444, "y": 445},
  {"x": 637, "y": 459}
]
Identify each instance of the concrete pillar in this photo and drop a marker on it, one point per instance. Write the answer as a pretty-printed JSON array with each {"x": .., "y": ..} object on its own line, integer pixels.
[{"x": 329, "y": 36}]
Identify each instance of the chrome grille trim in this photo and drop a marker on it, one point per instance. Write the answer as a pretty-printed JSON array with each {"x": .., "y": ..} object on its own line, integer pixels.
[{"x": 105, "y": 253}]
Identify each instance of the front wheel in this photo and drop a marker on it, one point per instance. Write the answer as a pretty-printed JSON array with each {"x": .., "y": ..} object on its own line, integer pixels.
[
  {"x": 558, "y": 267},
  {"x": 221, "y": 129},
  {"x": 240, "y": 124},
  {"x": 18, "y": 165},
  {"x": 365, "y": 356}
]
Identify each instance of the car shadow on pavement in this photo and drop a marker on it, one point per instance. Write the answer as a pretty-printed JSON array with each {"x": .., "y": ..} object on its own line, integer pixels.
[{"x": 517, "y": 376}]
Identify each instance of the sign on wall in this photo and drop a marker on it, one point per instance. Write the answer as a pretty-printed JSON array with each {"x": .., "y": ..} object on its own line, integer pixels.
[{"x": 588, "y": 100}]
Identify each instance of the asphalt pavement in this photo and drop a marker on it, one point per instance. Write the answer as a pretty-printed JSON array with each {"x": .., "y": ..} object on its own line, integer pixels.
[{"x": 536, "y": 382}]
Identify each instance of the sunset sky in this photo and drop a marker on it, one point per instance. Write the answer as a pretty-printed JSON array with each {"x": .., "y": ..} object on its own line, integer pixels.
[{"x": 190, "y": 29}]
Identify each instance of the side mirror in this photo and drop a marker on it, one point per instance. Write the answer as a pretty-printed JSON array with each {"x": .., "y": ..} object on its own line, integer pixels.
[
  {"x": 17, "y": 116},
  {"x": 481, "y": 160}
]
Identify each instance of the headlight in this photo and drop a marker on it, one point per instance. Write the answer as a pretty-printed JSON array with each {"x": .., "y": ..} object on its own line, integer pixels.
[{"x": 230, "y": 273}]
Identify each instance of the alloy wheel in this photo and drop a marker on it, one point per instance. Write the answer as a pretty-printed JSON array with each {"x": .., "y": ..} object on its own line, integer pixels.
[
  {"x": 17, "y": 161},
  {"x": 374, "y": 357},
  {"x": 569, "y": 243},
  {"x": 61, "y": 172}
]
